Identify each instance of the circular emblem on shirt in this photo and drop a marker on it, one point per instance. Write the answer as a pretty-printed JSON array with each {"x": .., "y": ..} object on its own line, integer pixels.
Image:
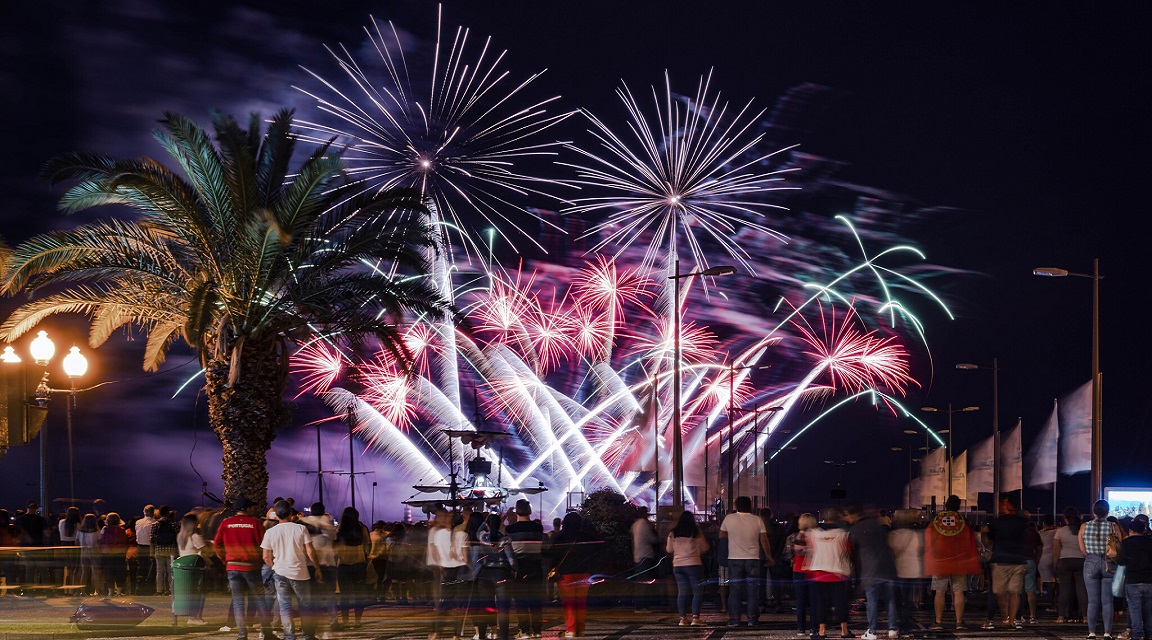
[{"x": 948, "y": 523}]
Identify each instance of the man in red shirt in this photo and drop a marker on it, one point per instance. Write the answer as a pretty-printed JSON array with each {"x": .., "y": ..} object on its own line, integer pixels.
[{"x": 237, "y": 543}]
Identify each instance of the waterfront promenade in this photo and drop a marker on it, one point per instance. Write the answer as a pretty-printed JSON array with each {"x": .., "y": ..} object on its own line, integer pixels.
[{"x": 47, "y": 618}]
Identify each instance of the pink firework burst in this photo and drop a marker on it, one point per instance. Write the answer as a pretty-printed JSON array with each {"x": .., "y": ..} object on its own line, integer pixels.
[
  {"x": 551, "y": 333},
  {"x": 856, "y": 359},
  {"x": 697, "y": 344},
  {"x": 503, "y": 311},
  {"x": 420, "y": 339},
  {"x": 605, "y": 287},
  {"x": 386, "y": 389},
  {"x": 319, "y": 365}
]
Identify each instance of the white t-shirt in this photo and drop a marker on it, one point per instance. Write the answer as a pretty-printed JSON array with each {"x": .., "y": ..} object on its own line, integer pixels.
[
  {"x": 322, "y": 541},
  {"x": 288, "y": 542},
  {"x": 743, "y": 531},
  {"x": 192, "y": 545},
  {"x": 440, "y": 549},
  {"x": 908, "y": 552}
]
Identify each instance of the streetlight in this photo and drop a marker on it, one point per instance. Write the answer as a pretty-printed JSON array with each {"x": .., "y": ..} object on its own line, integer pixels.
[
  {"x": 1097, "y": 418},
  {"x": 732, "y": 369},
  {"x": 951, "y": 411},
  {"x": 995, "y": 427},
  {"x": 75, "y": 366},
  {"x": 677, "y": 437}
]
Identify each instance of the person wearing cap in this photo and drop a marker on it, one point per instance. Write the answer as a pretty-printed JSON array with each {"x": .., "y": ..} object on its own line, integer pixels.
[
  {"x": 527, "y": 537},
  {"x": 237, "y": 543}
]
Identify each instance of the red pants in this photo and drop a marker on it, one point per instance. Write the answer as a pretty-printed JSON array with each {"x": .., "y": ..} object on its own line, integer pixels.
[{"x": 573, "y": 589}]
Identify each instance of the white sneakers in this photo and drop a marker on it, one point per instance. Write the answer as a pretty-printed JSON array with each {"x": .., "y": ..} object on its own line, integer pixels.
[{"x": 868, "y": 635}]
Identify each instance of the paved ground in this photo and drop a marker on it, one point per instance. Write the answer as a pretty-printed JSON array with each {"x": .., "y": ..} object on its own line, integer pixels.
[{"x": 47, "y": 618}]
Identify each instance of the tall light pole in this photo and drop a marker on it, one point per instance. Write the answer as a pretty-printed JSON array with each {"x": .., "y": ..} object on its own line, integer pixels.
[
  {"x": 677, "y": 437},
  {"x": 75, "y": 365},
  {"x": 951, "y": 411},
  {"x": 42, "y": 349},
  {"x": 732, "y": 410},
  {"x": 995, "y": 427},
  {"x": 1097, "y": 418}
]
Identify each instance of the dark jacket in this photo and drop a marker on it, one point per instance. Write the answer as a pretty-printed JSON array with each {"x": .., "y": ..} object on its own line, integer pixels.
[
  {"x": 873, "y": 556},
  {"x": 1006, "y": 533},
  {"x": 1136, "y": 556},
  {"x": 575, "y": 552}
]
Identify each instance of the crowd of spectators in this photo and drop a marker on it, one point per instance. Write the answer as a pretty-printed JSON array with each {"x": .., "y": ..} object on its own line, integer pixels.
[{"x": 489, "y": 575}]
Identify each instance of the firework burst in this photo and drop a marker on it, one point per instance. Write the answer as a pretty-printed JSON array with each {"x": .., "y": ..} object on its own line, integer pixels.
[
  {"x": 690, "y": 171},
  {"x": 855, "y": 359},
  {"x": 460, "y": 139}
]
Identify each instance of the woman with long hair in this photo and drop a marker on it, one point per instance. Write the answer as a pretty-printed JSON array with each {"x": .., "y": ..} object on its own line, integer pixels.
[
  {"x": 114, "y": 549},
  {"x": 91, "y": 575},
  {"x": 686, "y": 543},
  {"x": 1098, "y": 567},
  {"x": 494, "y": 573},
  {"x": 1073, "y": 600},
  {"x": 351, "y": 548},
  {"x": 797, "y": 545},
  {"x": 68, "y": 559},
  {"x": 573, "y": 552},
  {"x": 189, "y": 542}
]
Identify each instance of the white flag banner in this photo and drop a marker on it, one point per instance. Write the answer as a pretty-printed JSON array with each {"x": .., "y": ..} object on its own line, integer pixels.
[
  {"x": 1040, "y": 463},
  {"x": 980, "y": 464},
  {"x": 960, "y": 475},
  {"x": 1011, "y": 466},
  {"x": 1075, "y": 411},
  {"x": 934, "y": 477}
]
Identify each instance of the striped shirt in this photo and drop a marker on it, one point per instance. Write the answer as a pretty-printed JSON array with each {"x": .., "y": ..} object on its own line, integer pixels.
[{"x": 1096, "y": 537}]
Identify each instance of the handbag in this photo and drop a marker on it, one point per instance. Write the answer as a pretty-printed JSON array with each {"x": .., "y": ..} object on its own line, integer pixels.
[
  {"x": 1118, "y": 581},
  {"x": 1113, "y": 542}
]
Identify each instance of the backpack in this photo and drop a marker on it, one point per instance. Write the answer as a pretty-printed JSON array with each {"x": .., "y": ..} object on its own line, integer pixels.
[{"x": 165, "y": 535}]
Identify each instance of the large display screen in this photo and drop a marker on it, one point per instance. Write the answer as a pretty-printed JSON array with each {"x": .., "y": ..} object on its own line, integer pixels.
[{"x": 1127, "y": 502}]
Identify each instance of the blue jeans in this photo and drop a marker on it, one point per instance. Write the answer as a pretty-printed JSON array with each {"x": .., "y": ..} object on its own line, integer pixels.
[
  {"x": 286, "y": 588},
  {"x": 1139, "y": 607},
  {"x": 250, "y": 583},
  {"x": 688, "y": 584},
  {"x": 1098, "y": 582},
  {"x": 885, "y": 589},
  {"x": 744, "y": 578}
]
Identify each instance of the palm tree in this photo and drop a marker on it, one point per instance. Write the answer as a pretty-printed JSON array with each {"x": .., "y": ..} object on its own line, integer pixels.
[{"x": 238, "y": 258}]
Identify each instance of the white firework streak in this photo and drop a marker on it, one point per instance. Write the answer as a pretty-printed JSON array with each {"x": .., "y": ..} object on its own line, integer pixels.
[
  {"x": 560, "y": 421},
  {"x": 382, "y": 434},
  {"x": 697, "y": 168}
]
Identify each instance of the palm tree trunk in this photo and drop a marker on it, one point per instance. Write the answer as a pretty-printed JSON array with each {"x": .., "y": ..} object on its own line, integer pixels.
[{"x": 246, "y": 415}]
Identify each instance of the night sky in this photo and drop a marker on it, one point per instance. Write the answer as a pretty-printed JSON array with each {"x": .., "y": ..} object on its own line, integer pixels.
[{"x": 1024, "y": 128}]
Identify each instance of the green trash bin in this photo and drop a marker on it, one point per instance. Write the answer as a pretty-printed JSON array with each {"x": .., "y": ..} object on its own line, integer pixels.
[{"x": 187, "y": 574}]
